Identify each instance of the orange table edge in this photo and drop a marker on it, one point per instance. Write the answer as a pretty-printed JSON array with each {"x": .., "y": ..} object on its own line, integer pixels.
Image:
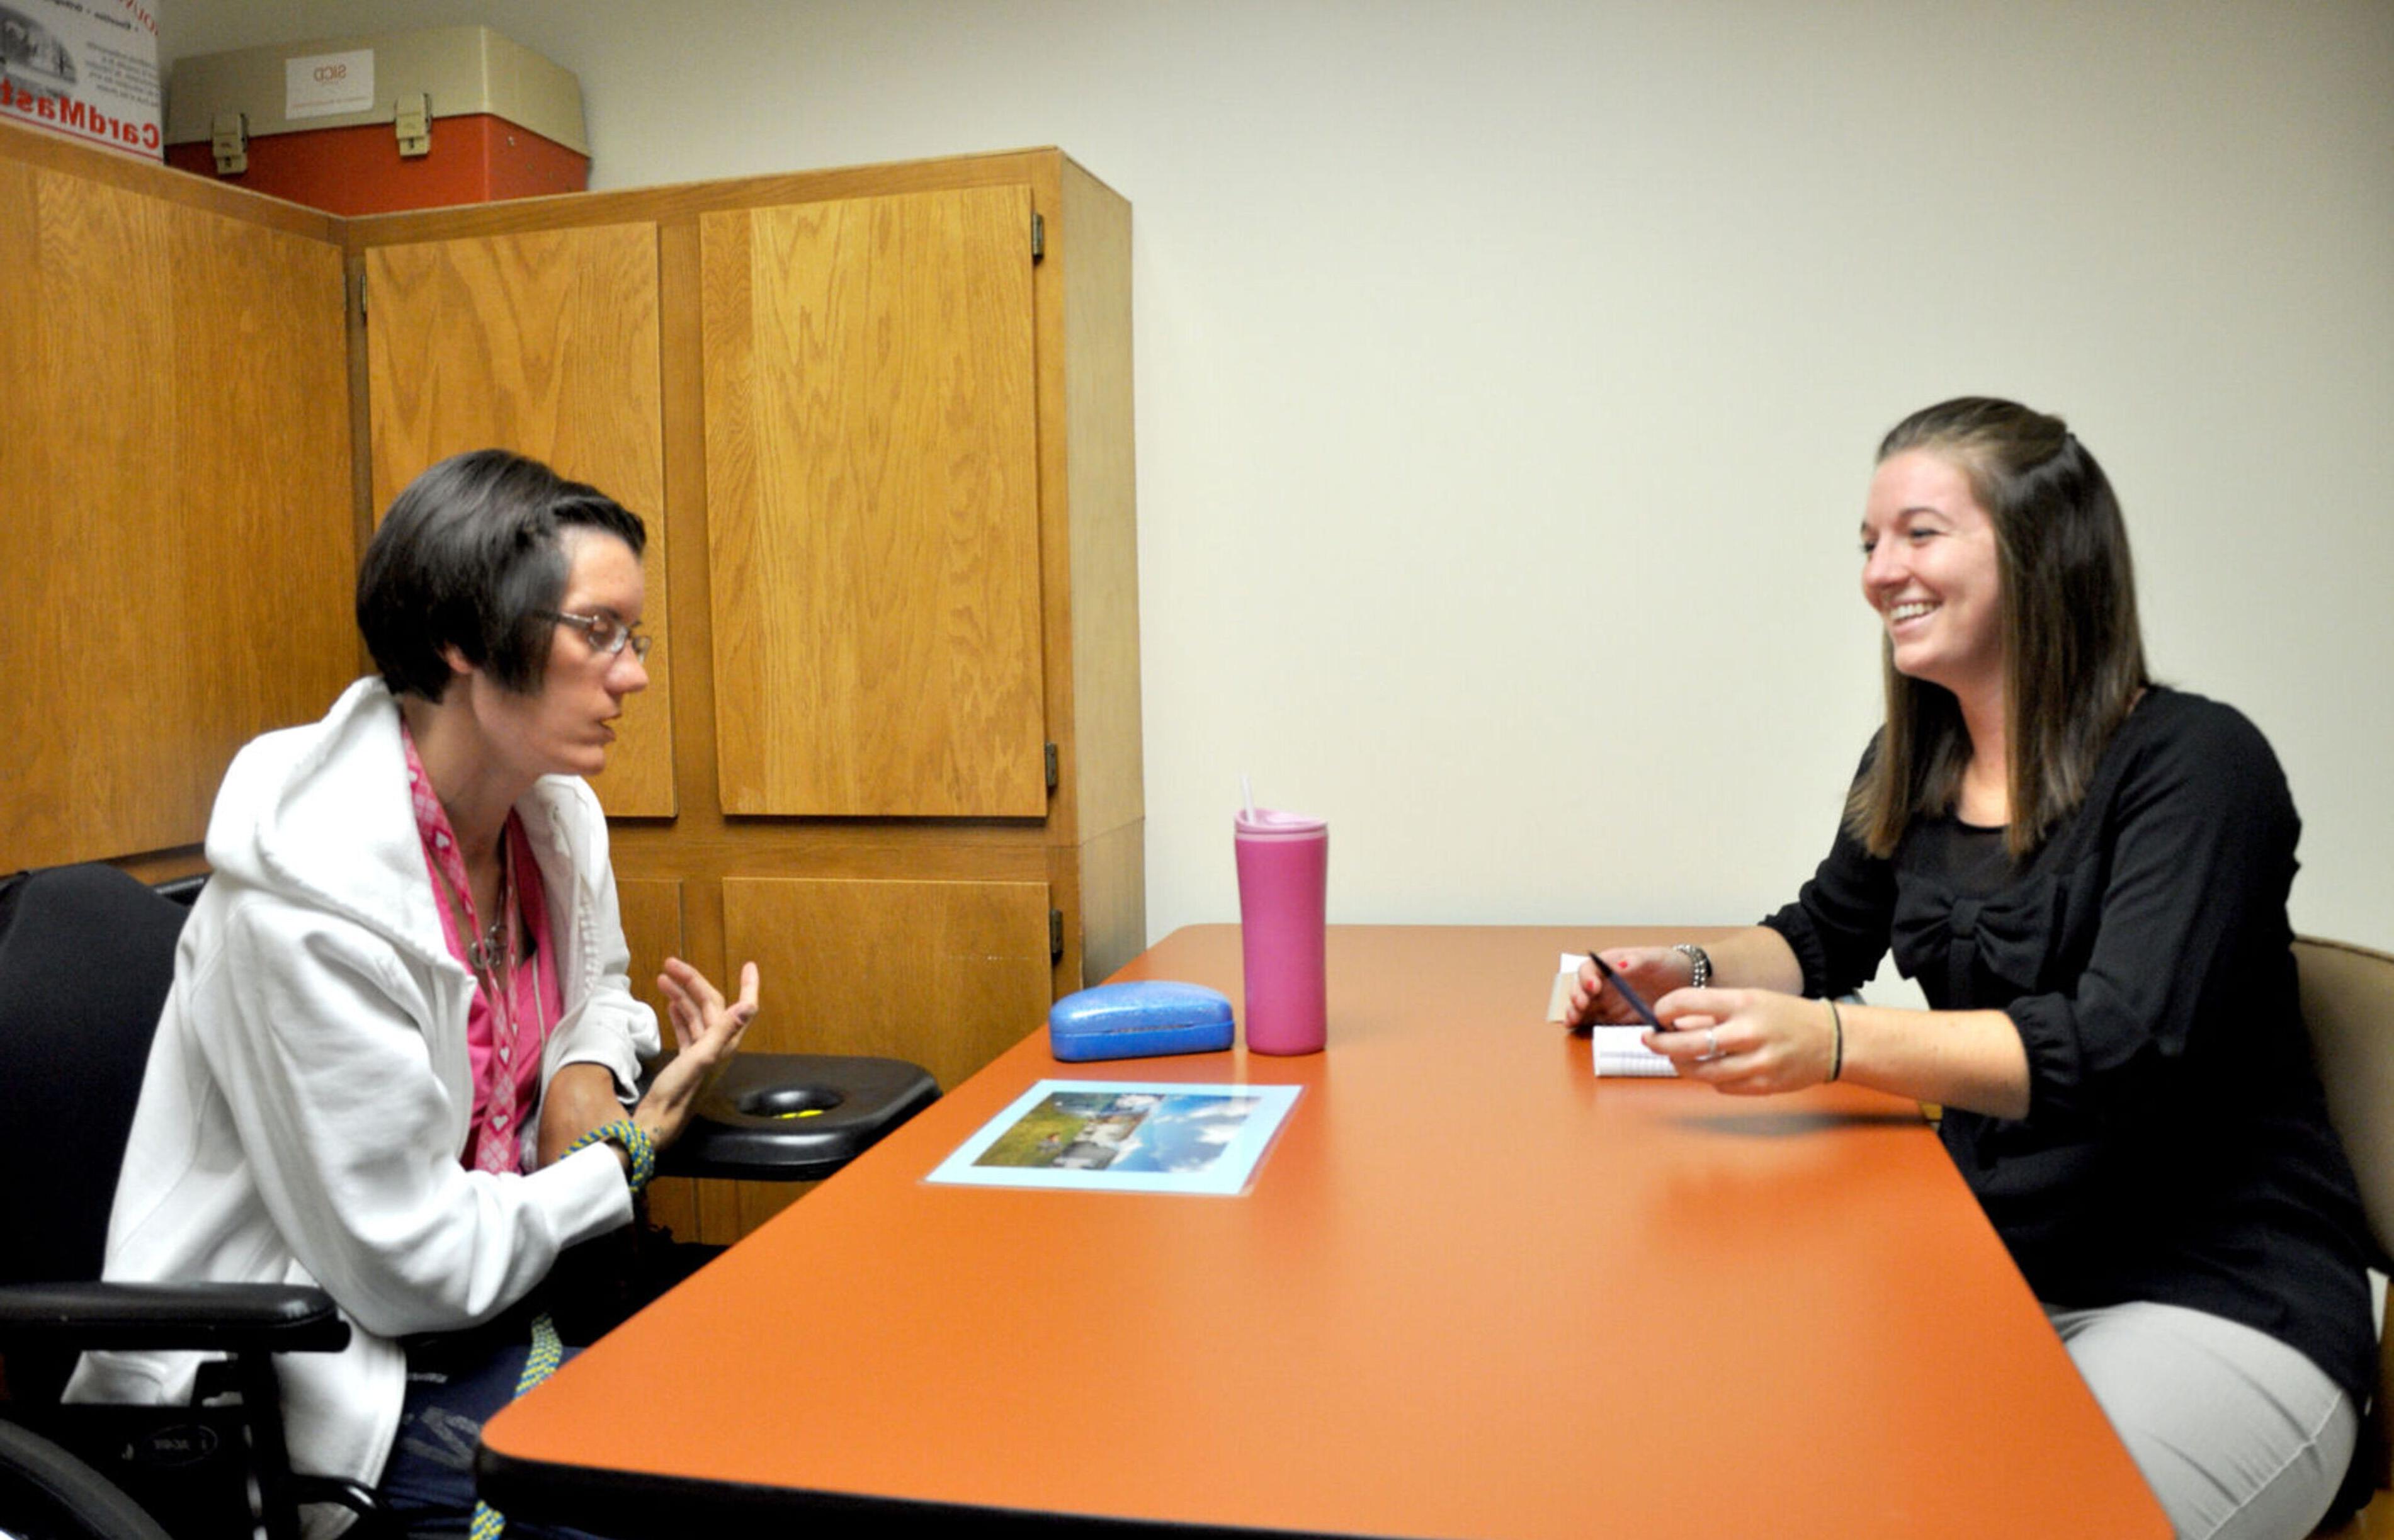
[{"x": 1473, "y": 1290}]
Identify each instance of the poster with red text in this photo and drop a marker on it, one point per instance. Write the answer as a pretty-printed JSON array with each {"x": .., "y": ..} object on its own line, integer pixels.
[{"x": 85, "y": 68}]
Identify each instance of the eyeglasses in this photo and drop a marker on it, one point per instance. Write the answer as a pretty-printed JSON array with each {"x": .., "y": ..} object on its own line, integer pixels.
[{"x": 605, "y": 634}]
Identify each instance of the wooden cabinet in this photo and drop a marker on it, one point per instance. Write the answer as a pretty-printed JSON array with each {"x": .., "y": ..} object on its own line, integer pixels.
[
  {"x": 872, "y": 488},
  {"x": 547, "y": 342},
  {"x": 878, "y": 421},
  {"x": 894, "y": 569},
  {"x": 175, "y": 487}
]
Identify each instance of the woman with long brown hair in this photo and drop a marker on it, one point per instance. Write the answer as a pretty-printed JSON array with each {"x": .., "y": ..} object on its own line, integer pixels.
[{"x": 2087, "y": 873}]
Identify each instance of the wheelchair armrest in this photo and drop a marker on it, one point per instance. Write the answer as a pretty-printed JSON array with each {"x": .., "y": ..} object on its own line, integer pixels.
[
  {"x": 795, "y": 1117},
  {"x": 280, "y": 1318}
]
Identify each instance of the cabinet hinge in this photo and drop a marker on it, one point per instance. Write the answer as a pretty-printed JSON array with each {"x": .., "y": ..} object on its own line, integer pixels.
[
  {"x": 1054, "y": 936},
  {"x": 413, "y": 123},
  {"x": 229, "y": 138},
  {"x": 1051, "y": 767},
  {"x": 1038, "y": 237}
]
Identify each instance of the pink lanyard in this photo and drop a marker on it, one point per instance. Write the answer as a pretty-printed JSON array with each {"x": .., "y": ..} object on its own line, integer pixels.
[{"x": 492, "y": 954}]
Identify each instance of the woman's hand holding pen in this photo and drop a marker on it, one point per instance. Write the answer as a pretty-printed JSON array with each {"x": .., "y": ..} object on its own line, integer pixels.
[
  {"x": 1652, "y": 972},
  {"x": 1746, "y": 1042}
]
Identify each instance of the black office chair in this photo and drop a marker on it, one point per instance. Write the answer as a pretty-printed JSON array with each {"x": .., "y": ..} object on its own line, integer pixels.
[{"x": 86, "y": 955}]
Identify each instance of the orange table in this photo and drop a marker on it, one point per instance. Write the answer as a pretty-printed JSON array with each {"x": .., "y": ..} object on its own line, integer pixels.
[{"x": 1473, "y": 1291}]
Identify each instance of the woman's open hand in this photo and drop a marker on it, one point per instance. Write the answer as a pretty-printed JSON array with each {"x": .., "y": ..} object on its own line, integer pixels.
[{"x": 706, "y": 1033}]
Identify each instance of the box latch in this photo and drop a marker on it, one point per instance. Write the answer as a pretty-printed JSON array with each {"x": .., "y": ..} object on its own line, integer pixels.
[
  {"x": 230, "y": 136},
  {"x": 415, "y": 126}
]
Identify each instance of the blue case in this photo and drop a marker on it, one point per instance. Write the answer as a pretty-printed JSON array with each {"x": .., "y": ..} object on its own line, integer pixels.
[{"x": 1139, "y": 1021}]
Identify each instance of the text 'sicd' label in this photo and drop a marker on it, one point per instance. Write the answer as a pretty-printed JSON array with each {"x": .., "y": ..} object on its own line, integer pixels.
[{"x": 322, "y": 85}]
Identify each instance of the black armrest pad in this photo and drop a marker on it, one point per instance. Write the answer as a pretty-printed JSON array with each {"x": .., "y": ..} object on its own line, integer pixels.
[
  {"x": 213, "y": 1317},
  {"x": 795, "y": 1117}
]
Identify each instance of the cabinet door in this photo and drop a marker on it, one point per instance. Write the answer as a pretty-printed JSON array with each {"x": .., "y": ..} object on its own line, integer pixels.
[
  {"x": 174, "y": 488},
  {"x": 872, "y": 506},
  {"x": 544, "y": 343},
  {"x": 946, "y": 974}
]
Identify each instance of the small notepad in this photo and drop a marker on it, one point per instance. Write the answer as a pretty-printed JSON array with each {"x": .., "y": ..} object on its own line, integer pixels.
[{"x": 1618, "y": 1051}]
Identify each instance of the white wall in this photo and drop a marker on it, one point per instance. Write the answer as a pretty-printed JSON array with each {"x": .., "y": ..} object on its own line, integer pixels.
[{"x": 1508, "y": 375}]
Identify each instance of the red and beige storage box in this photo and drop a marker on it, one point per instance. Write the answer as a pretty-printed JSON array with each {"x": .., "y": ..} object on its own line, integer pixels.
[{"x": 369, "y": 125}]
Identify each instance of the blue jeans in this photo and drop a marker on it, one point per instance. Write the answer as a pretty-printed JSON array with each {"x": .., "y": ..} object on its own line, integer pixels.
[
  {"x": 456, "y": 1381},
  {"x": 455, "y": 1384}
]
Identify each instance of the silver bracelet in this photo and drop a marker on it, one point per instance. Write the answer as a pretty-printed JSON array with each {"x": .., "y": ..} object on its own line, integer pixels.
[{"x": 1700, "y": 964}]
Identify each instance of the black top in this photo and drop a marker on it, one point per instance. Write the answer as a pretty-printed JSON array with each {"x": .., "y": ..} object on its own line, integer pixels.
[{"x": 2177, "y": 1147}]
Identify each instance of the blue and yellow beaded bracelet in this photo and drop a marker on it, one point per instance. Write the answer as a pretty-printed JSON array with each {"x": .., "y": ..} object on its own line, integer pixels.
[{"x": 632, "y": 1139}]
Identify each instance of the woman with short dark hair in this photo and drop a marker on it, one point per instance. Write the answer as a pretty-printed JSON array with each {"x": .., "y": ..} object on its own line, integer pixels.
[
  {"x": 473, "y": 555},
  {"x": 400, "y": 1054},
  {"x": 2087, "y": 873}
]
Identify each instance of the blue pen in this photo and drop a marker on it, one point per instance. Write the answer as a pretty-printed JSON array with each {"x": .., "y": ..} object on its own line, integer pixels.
[{"x": 1645, "y": 1012}]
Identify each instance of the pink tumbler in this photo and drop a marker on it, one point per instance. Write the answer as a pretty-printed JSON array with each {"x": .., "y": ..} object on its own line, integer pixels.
[{"x": 1283, "y": 865}]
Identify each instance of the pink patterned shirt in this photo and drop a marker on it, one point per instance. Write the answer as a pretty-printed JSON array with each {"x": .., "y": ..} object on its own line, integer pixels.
[{"x": 502, "y": 1039}]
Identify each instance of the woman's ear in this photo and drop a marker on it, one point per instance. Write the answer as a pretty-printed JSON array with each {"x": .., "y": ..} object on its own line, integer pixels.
[{"x": 455, "y": 659}]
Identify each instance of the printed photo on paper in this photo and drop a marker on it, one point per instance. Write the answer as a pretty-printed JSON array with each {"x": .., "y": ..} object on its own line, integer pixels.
[{"x": 1115, "y": 1135}]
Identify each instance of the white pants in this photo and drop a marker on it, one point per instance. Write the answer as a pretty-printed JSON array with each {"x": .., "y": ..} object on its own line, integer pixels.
[{"x": 2240, "y": 1436}]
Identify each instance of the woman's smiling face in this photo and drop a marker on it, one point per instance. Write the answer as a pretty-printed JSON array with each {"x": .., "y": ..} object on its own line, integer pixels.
[{"x": 1933, "y": 570}]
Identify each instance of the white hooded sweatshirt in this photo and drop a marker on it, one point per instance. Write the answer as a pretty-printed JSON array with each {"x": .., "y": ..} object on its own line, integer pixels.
[{"x": 307, "y": 1092}]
